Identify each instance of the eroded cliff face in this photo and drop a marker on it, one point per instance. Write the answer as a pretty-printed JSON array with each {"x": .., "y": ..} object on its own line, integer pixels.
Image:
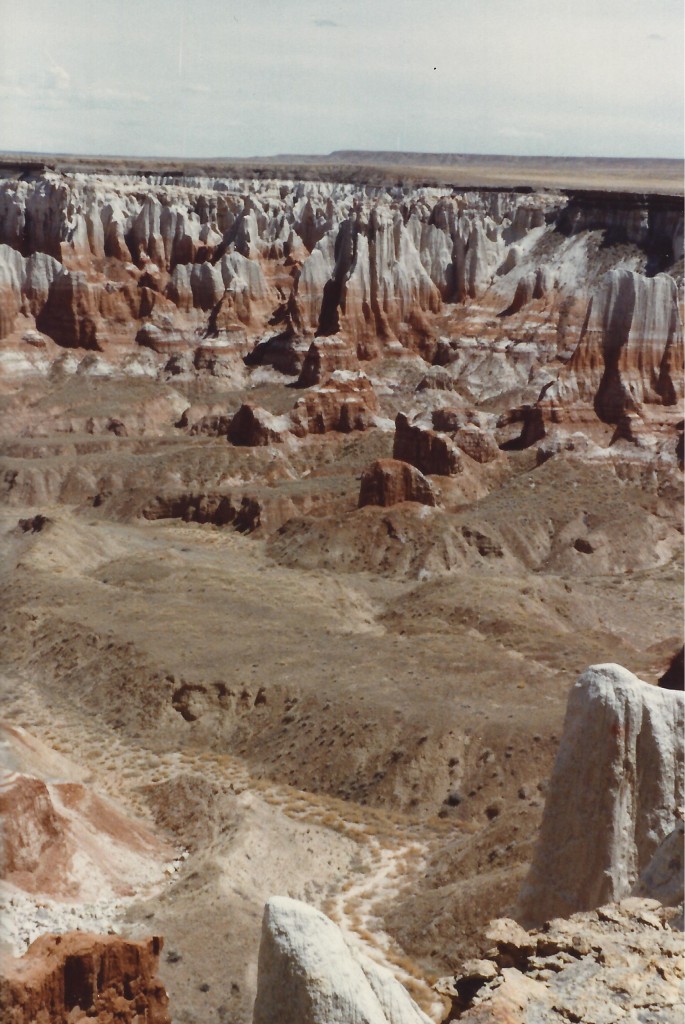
[
  {"x": 503, "y": 290},
  {"x": 630, "y": 352},
  {"x": 79, "y": 976}
]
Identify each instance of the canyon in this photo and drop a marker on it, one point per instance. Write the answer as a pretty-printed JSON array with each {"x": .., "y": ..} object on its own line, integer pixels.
[{"x": 318, "y": 496}]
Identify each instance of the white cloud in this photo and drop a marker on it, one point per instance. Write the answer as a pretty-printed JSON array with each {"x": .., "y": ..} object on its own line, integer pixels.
[
  {"x": 105, "y": 96},
  {"x": 520, "y": 133},
  {"x": 12, "y": 91},
  {"x": 58, "y": 78}
]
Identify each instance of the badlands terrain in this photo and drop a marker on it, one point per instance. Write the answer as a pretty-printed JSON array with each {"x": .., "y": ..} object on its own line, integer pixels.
[{"x": 317, "y": 498}]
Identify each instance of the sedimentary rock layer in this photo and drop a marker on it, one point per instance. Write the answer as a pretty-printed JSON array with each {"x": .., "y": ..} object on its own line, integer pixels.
[
  {"x": 78, "y": 976},
  {"x": 621, "y": 962}
]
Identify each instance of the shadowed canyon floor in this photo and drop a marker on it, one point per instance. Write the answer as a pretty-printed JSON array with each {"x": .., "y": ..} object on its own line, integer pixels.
[{"x": 288, "y": 693}]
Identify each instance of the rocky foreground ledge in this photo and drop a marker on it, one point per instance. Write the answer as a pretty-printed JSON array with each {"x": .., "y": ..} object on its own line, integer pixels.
[
  {"x": 621, "y": 962},
  {"x": 612, "y": 833}
]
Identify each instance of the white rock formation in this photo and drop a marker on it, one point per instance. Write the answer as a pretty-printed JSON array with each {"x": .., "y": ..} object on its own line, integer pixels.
[
  {"x": 662, "y": 879},
  {"x": 309, "y": 975},
  {"x": 630, "y": 349},
  {"x": 614, "y": 794}
]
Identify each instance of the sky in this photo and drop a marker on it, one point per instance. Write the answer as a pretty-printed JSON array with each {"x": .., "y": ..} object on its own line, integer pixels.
[{"x": 222, "y": 78}]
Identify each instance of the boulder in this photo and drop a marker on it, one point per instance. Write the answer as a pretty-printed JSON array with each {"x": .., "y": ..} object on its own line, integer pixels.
[
  {"x": 389, "y": 481},
  {"x": 617, "y": 963},
  {"x": 613, "y": 797},
  {"x": 425, "y": 449},
  {"x": 308, "y": 974}
]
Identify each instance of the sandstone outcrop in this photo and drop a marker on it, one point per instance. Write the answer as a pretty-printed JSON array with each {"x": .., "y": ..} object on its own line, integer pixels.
[
  {"x": 436, "y": 379},
  {"x": 630, "y": 351},
  {"x": 650, "y": 221},
  {"x": 343, "y": 405},
  {"x": 596, "y": 839},
  {"x": 389, "y": 482},
  {"x": 448, "y": 420},
  {"x": 64, "y": 841},
  {"x": 70, "y": 315},
  {"x": 164, "y": 339},
  {"x": 95, "y": 261},
  {"x": 663, "y": 878},
  {"x": 325, "y": 356},
  {"x": 369, "y": 263},
  {"x": 252, "y": 426},
  {"x": 309, "y": 975},
  {"x": 83, "y": 977},
  {"x": 427, "y": 450},
  {"x": 620, "y": 962},
  {"x": 478, "y": 444}
]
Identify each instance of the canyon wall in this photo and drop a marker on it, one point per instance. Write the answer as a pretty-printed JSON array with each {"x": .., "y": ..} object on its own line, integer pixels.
[{"x": 506, "y": 291}]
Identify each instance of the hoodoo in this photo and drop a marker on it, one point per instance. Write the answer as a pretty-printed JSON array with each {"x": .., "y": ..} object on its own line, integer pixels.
[{"x": 615, "y": 793}]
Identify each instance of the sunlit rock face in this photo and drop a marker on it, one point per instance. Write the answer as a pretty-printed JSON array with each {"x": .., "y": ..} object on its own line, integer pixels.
[
  {"x": 309, "y": 975},
  {"x": 614, "y": 795}
]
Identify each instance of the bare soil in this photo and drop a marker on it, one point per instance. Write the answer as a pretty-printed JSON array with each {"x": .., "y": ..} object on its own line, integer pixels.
[{"x": 355, "y": 707}]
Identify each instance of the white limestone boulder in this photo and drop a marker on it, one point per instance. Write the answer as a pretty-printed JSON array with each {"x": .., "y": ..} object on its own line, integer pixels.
[
  {"x": 614, "y": 795},
  {"x": 309, "y": 975}
]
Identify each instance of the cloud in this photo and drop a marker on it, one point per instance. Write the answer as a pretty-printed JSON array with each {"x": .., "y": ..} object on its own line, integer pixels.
[
  {"x": 197, "y": 87},
  {"x": 58, "y": 78},
  {"x": 11, "y": 91},
  {"x": 520, "y": 133},
  {"x": 657, "y": 36},
  {"x": 325, "y": 23}
]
